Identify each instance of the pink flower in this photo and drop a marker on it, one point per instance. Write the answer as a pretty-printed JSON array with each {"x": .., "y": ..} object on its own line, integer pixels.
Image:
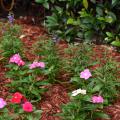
[
  {"x": 21, "y": 63},
  {"x": 41, "y": 64},
  {"x": 27, "y": 106},
  {"x": 37, "y": 64},
  {"x": 97, "y": 99},
  {"x": 17, "y": 59},
  {"x": 2, "y": 103},
  {"x": 33, "y": 65},
  {"x": 85, "y": 74}
]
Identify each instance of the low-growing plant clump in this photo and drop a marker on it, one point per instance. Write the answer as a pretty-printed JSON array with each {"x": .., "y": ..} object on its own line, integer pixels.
[{"x": 89, "y": 90}]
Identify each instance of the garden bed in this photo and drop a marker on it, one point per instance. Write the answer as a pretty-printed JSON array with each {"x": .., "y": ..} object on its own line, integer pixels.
[{"x": 56, "y": 95}]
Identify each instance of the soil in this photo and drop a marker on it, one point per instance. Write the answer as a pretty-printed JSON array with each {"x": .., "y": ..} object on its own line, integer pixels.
[{"x": 57, "y": 93}]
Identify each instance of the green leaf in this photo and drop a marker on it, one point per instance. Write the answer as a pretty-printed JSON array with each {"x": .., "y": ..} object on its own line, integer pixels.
[
  {"x": 114, "y": 2},
  {"x": 39, "y": 1},
  {"x": 109, "y": 34},
  {"x": 101, "y": 115},
  {"x": 46, "y": 5},
  {"x": 116, "y": 43},
  {"x": 88, "y": 35},
  {"x": 85, "y": 4},
  {"x": 97, "y": 88},
  {"x": 93, "y": 1},
  {"x": 75, "y": 79},
  {"x": 70, "y": 21}
]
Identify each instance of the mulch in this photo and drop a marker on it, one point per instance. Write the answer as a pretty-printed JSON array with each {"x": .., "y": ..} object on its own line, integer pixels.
[{"x": 57, "y": 93}]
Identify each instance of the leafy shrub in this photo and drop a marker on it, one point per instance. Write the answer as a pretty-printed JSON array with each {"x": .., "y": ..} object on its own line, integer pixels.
[
  {"x": 10, "y": 43},
  {"x": 48, "y": 53},
  {"x": 83, "y": 19},
  {"x": 25, "y": 81},
  {"x": 87, "y": 83}
]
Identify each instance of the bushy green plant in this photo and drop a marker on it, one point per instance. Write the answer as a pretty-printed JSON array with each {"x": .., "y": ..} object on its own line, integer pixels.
[
  {"x": 81, "y": 108},
  {"x": 48, "y": 53},
  {"x": 113, "y": 39},
  {"x": 102, "y": 81},
  {"x": 79, "y": 58},
  {"x": 10, "y": 43},
  {"x": 25, "y": 81},
  {"x": 19, "y": 114}
]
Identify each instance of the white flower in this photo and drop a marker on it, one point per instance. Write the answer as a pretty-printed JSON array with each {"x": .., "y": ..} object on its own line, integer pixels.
[{"x": 78, "y": 91}]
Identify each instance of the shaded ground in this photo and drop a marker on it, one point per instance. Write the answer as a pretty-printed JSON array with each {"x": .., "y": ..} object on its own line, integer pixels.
[{"x": 57, "y": 94}]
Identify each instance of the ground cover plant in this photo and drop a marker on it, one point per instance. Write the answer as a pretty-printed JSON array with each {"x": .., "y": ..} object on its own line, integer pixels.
[{"x": 88, "y": 80}]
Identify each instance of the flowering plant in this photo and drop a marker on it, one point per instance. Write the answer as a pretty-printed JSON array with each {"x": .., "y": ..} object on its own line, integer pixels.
[
  {"x": 26, "y": 75},
  {"x": 23, "y": 109}
]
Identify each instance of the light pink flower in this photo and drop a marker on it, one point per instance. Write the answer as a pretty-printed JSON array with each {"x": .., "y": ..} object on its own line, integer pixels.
[
  {"x": 41, "y": 64},
  {"x": 33, "y": 65},
  {"x": 2, "y": 103},
  {"x": 85, "y": 74},
  {"x": 37, "y": 64},
  {"x": 97, "y": 99}
]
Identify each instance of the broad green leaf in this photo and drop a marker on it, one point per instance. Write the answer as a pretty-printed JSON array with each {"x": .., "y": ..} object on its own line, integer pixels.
[
  {"x": 46, "y": 5},
  {"x": 109, "y": 34},
  {"x": 70, "y": 21},
  {"x": 116, "y": 43},
  {"x": 85, "y": 4},
  {"x": 97, "y": 88},
  {"x": 114, "y": 2},
  {"x": 101, "y": 115}
]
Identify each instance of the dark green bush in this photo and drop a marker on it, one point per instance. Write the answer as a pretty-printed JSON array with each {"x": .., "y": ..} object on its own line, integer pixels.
[{"x": 84, "y": 19}]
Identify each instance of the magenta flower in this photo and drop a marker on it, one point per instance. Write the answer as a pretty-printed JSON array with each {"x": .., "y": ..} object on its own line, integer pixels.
[
  {"x": 85, "y": 74},
  {"x": 17, "y": 59},
  {"x": 97, "y": 99},
  {"x": 27, "y": 106},
  {"x": 21, "y": 63},
  {"x": 2, "y": 103}
]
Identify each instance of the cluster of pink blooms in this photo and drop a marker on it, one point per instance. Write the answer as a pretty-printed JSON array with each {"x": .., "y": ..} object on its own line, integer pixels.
[
  {"x": 37, "y": 65},
  {"x": 17, "y": 59},
  {"x": 85, "y": 74},
  {"x": 97, "y": 99}
]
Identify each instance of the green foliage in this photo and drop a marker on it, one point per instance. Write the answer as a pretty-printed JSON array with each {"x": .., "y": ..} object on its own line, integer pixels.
[
  {"x": 25, "y": 81},
  {"x": 104, "y": 81},
  {"x": 79, "y": 60},
  {"x": 113, "y": 39},
  {"x": 80, "y": 108},
  {"x": 87, "y": 20},
  {"x": 10, "y": 43},
  {"x": 19, "y": 114},
  {"x": 48, "y": 52}
]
